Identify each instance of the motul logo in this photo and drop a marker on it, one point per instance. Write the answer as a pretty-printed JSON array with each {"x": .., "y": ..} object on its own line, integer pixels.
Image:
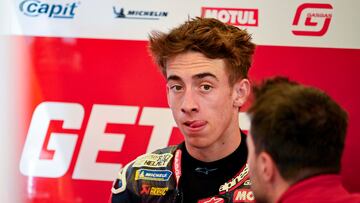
[
  {"x": 232, "y": 16},
  {"x": 312, "y": 19},
  {"x": 243, "y": 195}
]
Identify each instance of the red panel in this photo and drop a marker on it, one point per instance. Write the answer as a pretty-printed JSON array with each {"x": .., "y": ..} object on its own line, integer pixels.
[{"x": 116, "y": 72}]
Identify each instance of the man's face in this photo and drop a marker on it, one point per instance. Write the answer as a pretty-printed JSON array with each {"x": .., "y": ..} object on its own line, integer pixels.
[
  {"x": 257, "y": 184},
  {"x": 201, "y": 99}
]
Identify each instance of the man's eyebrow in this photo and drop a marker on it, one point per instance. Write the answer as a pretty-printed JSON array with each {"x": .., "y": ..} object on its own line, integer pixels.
[
  {"x": 205, "y": 74},
  {"x": 173, "y": 77},
  {"x": 197, "y": 76}
]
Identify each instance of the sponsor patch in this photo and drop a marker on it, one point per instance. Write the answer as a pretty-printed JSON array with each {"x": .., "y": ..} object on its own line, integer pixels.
[
  {"x": 247, "y": 182},
  {"x": 177, "y": 166},
  {"x": 147, "y": 189},
  {"x": 153, "y": 160},
  {"x": 243, "y": 195},
  {"x": 155, "y": 175},
  {"x": 236, "y": 181},
  {"x": 158, "y": 191},
  {"x": 212, "y": 200},
  {"x": 205, "y": 170}
]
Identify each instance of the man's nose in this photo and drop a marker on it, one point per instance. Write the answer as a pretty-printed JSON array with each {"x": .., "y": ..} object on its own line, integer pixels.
[{"x": 189, "y": 103}]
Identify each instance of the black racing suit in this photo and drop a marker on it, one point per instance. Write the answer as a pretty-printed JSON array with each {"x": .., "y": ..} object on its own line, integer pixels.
[{"x": 157, "y": 177}]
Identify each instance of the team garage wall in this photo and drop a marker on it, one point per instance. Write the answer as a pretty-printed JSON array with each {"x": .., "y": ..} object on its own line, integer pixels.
[{"x": 89, "y": 98}]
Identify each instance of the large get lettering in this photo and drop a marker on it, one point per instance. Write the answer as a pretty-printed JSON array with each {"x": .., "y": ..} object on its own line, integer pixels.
[
  {"x": 63, "y": 144},
  {"x": 95, "y": 139}
]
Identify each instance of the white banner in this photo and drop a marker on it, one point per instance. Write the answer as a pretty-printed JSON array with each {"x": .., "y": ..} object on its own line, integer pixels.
[{"x": 284, "y": 23}]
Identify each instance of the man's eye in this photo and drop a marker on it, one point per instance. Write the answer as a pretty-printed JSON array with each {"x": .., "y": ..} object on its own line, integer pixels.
[
  {"x": 206, "y": 87},
  {"x": 176, "y": 88}
]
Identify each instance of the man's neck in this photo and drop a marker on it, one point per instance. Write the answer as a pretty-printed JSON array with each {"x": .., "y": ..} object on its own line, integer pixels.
[{"x": 278, "y": 188}]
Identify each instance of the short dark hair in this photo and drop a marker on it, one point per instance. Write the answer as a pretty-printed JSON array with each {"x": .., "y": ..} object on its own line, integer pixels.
[
  {"x": 301, "y": 128},
  {"x": 210, "y": 37}
]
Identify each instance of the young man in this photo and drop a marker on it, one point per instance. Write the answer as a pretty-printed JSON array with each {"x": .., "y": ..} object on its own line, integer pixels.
[
  {"x": 205, "y": 63},
  {"x": 295, "y": 144}
]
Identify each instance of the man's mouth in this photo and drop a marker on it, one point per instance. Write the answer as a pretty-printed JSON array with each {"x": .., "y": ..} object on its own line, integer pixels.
[{"x": 195, "y": 123}]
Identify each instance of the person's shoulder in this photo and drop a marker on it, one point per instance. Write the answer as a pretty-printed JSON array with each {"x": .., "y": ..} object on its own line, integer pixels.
[
  {"x": 156, "y": 159},
  {"x": 160, "y": 158},
  {"x": 124, "y": 185},
  {"x": 169, "y": 149}
]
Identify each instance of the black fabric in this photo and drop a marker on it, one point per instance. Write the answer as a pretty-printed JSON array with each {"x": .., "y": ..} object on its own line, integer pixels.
[{"x": 202, "y": 179}]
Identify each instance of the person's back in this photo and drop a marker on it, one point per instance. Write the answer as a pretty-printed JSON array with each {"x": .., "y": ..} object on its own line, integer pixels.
[
  {"x": 295, "y": 145},
  {"x": 321, "y": 188}
]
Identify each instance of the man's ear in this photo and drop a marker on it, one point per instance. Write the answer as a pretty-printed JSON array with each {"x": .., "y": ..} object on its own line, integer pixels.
[
  {"x": 267, "y": 167},
  {"x": 241, "y": 92}
]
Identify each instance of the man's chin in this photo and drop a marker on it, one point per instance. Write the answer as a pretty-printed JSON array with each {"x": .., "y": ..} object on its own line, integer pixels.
[{"x": 196, "y": 142}]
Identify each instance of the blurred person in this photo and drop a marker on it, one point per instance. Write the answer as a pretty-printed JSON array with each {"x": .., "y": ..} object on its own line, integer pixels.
[
  {"x": 295, "y": 144},
  {"x": 205, "y": 63}
]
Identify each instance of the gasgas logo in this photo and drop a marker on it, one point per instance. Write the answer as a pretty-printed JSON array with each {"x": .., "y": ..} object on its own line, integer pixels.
[
  {"x": 94, "y": 141},
  {"x": 312, "y": 19},
  {"x": 232, "y": 16},
  {"x": 35, "y": 8}
]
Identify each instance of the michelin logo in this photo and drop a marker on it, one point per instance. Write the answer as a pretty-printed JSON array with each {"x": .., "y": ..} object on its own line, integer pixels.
[
  {"x": 35, "y": 8},
  {"x": 139, "y": 14},
  {"x": 156, "y": 175}
]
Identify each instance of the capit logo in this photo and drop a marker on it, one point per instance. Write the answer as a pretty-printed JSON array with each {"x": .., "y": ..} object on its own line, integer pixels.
[
  {"x": 312, "y": 19},
  {"x": 35, "y": 8},
  {"x": 139, "y": 14},
  {"x": 232, "y": 16}
]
